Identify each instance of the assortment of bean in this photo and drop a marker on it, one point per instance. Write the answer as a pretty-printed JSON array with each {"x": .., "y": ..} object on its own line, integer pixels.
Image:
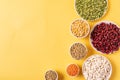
[{"x": 105, "y": 38}]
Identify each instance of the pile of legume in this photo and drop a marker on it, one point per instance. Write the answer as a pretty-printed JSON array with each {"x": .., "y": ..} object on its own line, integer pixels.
[
  {"x": 91, "y": 9},
  {"x": 73, "y": 70},
  {"x": 51, "y": 75},
  {"x": 80, "y": 28},
  {"x": 78, "y": 51},
  {"x": 105, "y": 37},
  {"x": 97, "y": 67}
]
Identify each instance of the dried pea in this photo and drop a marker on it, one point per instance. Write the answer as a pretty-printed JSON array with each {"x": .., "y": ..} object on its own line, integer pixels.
[
  {"x": 80, "y": 28},
  {"x": 91, "y": 9}
]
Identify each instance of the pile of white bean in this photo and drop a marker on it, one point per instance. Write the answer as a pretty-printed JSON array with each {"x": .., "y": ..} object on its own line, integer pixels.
[{"x": 97, "y": 67}]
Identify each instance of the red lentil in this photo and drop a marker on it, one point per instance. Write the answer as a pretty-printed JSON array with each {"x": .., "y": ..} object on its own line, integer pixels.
[{"x": 72, "y": 70}]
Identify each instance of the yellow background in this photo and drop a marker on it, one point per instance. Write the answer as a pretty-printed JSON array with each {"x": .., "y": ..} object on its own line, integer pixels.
[{"x": 35, "y": 37}]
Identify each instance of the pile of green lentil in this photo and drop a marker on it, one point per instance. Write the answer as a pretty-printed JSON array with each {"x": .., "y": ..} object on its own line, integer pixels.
[{"x": 91, "y": 9}]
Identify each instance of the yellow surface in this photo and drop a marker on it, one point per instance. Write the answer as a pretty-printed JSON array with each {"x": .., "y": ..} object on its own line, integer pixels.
[{"x": 35, "y": 37}]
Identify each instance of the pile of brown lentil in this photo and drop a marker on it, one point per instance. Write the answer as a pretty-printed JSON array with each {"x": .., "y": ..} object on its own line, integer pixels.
[
  {"x": 51, "y": 75},
  {"x": 78, "y": 51},
  {"x": 80, "y": 28}
]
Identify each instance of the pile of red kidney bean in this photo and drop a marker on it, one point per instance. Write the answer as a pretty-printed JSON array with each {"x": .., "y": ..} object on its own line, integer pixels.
[{"x": 105, "y": 37}]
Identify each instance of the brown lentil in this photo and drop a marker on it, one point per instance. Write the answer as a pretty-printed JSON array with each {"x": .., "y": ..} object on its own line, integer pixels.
[
  {"x": 80, "y": 28},
  {"x": 51, "y": 75},
  {"x": 78, "y": 51}
]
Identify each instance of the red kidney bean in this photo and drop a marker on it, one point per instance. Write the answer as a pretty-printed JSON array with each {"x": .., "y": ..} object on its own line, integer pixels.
[{"x": 105, "y": 37}]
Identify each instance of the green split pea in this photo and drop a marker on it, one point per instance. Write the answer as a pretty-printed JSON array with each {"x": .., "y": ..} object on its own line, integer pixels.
[{"x": 91, "y": 9}]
